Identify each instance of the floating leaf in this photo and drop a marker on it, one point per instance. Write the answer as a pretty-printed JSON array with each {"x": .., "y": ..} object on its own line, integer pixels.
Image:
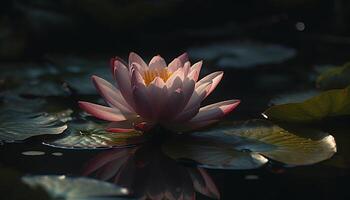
[
  {"x": 33, "y": 79},
  {"x": 247, "y": 145},
  {"x": 16, "y": 126},
  {"x": 77, "y": 72},
  {"x": 54, "y": 80},
  {"x": 13, "y": 188},
  {"x": 279, "y": 144},
  {"x": 212, "y": 152},
  {"x": 327, "y": 104},
  {"x": 42, "y": 88},
  {"x": 293, "y": 97},
  {"x": 26, "y": 70},
  {"x": 89, "y": 135},
  {"x": 33, "y": 153},
  {"x": 81, "y": 82},
  {"x": 57, "y": 108},
  {"x": 334, "y": 78},
  {"x": 17, "y": 103},
  {"x": 69, "y": 188},
  {"x": 243, "y": 54}
]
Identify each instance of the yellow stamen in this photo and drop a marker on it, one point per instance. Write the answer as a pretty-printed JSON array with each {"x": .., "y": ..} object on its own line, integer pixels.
[{"x": 150, "y": 75}]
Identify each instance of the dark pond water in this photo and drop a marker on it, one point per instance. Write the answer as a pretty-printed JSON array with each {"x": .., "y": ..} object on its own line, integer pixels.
[{"x": 262, "y": 72}]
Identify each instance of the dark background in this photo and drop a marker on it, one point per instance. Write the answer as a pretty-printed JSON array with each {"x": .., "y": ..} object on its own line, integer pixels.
[
  {"x": 318, "y": 29},
  {"x": 32, "y": 29}
]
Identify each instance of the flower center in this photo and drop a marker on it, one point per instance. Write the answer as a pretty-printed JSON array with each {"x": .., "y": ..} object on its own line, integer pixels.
[{"x": 151, "y": 74}]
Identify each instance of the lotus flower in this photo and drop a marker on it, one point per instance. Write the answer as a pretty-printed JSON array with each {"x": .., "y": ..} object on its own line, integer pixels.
[{"x": 157, "y": 94}]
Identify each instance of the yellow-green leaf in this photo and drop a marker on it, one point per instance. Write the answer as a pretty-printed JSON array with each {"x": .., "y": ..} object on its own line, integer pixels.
[
  {"x": 250, "y": 144},
  {"x": 334, "y": 78},
  {"x": 89, "y": 135},
  {"x": 327, "y": 104}
]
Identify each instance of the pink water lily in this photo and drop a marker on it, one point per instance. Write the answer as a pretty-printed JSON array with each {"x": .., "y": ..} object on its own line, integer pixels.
[{"x": 157, "y": 93}]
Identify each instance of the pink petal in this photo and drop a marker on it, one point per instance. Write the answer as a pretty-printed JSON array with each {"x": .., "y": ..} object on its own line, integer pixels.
[
  {"x": 188, "y": 114},
  {"x": 158, "y": 94},
  {"x": 178, "y": 75},
  {"x": 123, "y": 80},
  {"x": 134, "y": 58},
  {"x": 142, "y": 101},
  {"x": 136, "y": 78},
  {"x": 111, "y": 169},
  {"x": 215, "y": 111},
  {"x": 113, "y": 61},
  {"x": 126, "y": 173},
  {"x": 203, "y": 183},
  {"x": 174, "y": 65},
  {"x": 214, "y": 77},
  {"x": 187, "y": 67},
  {"x": 177, "y": 84},
  {"x": 157, "y": 62},
  {"x": 188, "y": 89},
  {"x": 198, "y": 125},
  {"x": 144, "y": 126},
  {"x": 125, "y": 126},
  {"x": 198, "y": 95},
  {"x": 120, "y": 130},
  {"x": 195, "y": 70},
  {"x": 173, "y": 104},
  {"x": 137, "y": 66},
  {"x": 111, "y": 95},
  {"x": 183, "y": 58},
  {"x": 99, "y": 161},
  {"x": 102, "y": 112}
]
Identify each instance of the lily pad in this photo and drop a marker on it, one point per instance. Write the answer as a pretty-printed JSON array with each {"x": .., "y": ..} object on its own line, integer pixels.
[
  {"x": 42, "y": 88},
  {"x": 213, "y": 155},
  {"x": 69, "y": 188},
  {"x": 13, "y": 188},
  {"x": 243, "y": 54},
  {"x": 90, "y": 135},
  {"x": 81, "y": 82},
  {"x": 57, "y": 108},
  {"x": 330, "y": 103},
  {"x": 247, "y": 145},
  {"x": 293, "y": 97},
  {"x": 17, "y": 126},
  {"x": 26, "y": 70},
  {"x": 33, "y": 79},
  {"x": 334, "y": 78},
  {"x": 59, "y": 79},
  {"x": 77, "y": 72}
]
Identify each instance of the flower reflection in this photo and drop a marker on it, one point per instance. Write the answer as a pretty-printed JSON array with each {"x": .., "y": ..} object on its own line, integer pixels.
[{"x": 149, "y": 174}]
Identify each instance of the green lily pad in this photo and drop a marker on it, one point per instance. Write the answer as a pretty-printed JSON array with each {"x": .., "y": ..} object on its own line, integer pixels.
[
  {"x": 17, "y": 126},
  {"x": 293, "y": 97},
  {"x": 213, "y": 155},
  {"x": 90, "y": 135},
  {"x": 243, "y": 54},
  {"x": 77, "y": 72},
  {"x": 12, "y": 187},
  {"x": 57, "y": 107},
  {"x": 247, "y": 145},
  {"x": 42, "y": 88},
  {"x": 334, "y": 78},
  {"x": 69, "y": 188},
  {"x": 330, "y": 103}
]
